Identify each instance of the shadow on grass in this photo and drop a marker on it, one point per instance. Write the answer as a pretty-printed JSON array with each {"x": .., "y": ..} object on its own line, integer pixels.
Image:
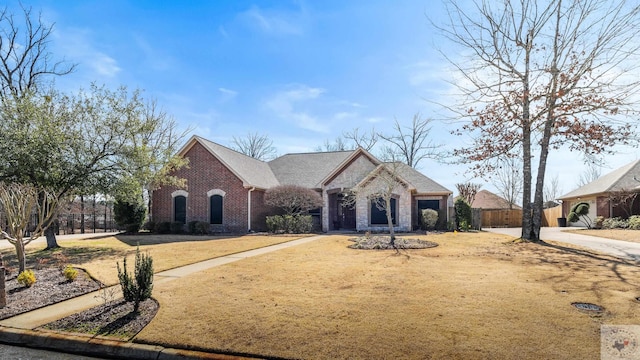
[
  {"x": 60, "y": 256},
  {"x": 157, "y": 239},
  {"x": 569, "y": 261}
]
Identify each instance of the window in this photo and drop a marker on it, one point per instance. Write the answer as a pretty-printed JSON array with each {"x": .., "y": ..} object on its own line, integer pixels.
[
  {"x": 379, "y": 217},
  {"x": 180, "y": 209},
  {"x": 215, "y": 209}
]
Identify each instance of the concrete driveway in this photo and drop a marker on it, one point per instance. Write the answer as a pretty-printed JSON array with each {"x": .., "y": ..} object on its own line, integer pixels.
[{"x": 621, "y": 249}]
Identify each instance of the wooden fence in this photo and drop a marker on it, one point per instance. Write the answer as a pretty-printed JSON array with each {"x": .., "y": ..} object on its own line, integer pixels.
[{"x": 513, "y": 218}]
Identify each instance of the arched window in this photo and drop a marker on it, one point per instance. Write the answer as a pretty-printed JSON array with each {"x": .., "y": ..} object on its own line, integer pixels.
[
  {"x": 180, "y": 209},
  {"x": 215, "y": 209}
]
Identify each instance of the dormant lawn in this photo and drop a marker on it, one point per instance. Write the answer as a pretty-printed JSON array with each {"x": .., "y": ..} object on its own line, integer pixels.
[{"x": 476, "y": 296}]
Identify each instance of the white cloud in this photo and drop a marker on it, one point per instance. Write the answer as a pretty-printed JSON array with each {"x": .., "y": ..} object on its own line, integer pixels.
[
  {"x": 77, "y": 45},
  {"x": 103, "y": 64},
  {"x": 293, "y": 106},
  {"x": 275, "y": 22}
]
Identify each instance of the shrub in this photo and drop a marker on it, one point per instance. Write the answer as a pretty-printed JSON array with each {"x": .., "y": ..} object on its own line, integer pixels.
[
  {"x": 137, "y": 288},
  {"x": 429, "y": 219},
  {"x": 290, "y": 224},
  {"x": 129, "y": 216},
  {"x": 293, "y": 199},
  {"x": 177, "y": 227},
  {"x": 162, "y": 227},
  {"x": 615, "y": 223},
  {"x": 198, "y": 227},
  {"x": 70, "y": 273},
  {"x": 463, "y": 214},
  {"x": 580, "y": 212},
  {"x": 597, "y": 223},
  {"x": 634, "y": 222},
  {"x": 150, "y": 225},
  {"x": 27, "y": 278}
]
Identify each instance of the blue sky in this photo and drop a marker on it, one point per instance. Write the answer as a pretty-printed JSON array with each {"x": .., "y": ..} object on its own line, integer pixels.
[{"x": 299, "y": 72}]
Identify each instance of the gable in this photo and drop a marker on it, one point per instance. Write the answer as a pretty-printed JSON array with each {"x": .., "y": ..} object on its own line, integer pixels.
[
  {"x": 351, "y": 173},
  {"x": 623, "y": 178}
]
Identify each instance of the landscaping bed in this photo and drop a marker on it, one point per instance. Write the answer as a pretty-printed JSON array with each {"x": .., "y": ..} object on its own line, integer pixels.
[{"x": 50, "y": 287}]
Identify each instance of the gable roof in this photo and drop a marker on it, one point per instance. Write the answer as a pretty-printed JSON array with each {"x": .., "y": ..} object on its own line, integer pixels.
[
  {"x": 622, "y": 178},
  {"x": 310, "y": 170},
  {"x": 415, "y": 180},
  {"x": 252, "y": 172},
  {"x": 485, "y": 199},
  {"x": 307, "y": 169}
]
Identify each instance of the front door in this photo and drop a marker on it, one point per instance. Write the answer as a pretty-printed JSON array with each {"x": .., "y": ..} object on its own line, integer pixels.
[{"x": 346, "y": 215}]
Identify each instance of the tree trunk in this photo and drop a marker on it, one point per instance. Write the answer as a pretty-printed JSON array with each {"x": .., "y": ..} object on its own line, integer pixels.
[
  {"x": 3, "y": 291},
  {"x": 392, "y": 234},
  {"x": 50, "y": 234},
  {"x": 81, "y": 214},
  {"x": 22, "y": 259},
  {"x": 527, "y": 223}
]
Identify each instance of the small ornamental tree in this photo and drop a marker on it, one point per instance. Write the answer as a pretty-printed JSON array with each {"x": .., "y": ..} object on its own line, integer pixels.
[
  {"x": 138, "y": 287},
  {"x": 463, "y": 214},
  {"x": 129, "y": 215},
  {"x": 293, "y": 199},
  {"x": 580, "y": 212}
]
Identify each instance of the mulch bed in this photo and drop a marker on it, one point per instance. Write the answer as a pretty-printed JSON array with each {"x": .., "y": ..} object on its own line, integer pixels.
[
  {"x": 50, "y": 287},
  {"x": 383, "y": 242},
  {"x": 114, "y": 318}
]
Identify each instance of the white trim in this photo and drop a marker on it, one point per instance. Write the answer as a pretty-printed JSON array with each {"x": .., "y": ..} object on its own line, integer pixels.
[
  {"x": 180, "y": 193},
  {"x": 212, "y": 192}
]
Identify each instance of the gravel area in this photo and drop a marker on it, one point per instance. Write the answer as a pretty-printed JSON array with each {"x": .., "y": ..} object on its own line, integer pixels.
[
  {"x": 50, "y": 287},
  {"x": 381, "y": 242}
]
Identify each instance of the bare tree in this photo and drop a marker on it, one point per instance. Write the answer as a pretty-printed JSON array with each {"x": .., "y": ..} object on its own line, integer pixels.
[
  {"x": 20, "y": 204},
  {"x": 24, "y": 58},
  {"x": 412, "y": 144},
  {"x": 552, "y": 189},
  {"x": 293, "y": 199},
  {"x": 258, "y": 146},
  {"x": 590, "y": 174},
  {"x": 540, "y": 76},
  {"x": 623, "y": 199},
  {"x": 339, "y": 144},
  {"x": 508, "y": 180},
  {"x": 364, "y": 140},
  {"x": 468, "y": 191}
]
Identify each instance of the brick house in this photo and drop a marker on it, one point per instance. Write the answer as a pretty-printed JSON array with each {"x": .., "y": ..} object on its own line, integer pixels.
[
  {"x": 226, "y": 189},
  {"x": 601, "y": 193}
]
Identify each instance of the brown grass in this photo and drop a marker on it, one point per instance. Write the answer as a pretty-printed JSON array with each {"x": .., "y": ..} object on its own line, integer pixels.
[
  {"x": 168, "y": 251},
  {"x": 616, "y": 234},
  {"x": 476, "y": 296}
]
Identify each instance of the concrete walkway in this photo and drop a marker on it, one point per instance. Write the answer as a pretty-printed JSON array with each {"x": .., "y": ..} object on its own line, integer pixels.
[
  {"x": 622, "y": 249},
  {"x": 39, "y": 317}
]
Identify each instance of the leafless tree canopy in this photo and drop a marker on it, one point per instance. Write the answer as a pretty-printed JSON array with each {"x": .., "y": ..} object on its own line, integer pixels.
[
  {"x": 591, "y": 173},
  {"x": 412, "y": 144},
  {"x": 540, "y": 75},
  {"x": 362, "y": 139},
  {"x": 468, "y": 191},
  {"x": 25, "y": 60},
  {"x": 552, "y": 189},
  {"x": 258, "y": 146},
  {"x": 339, "y": 144},
  {"x": 507, "y": 178},
  {"x": 293, "y": 199},
  {"x": 20, "y": 204}
]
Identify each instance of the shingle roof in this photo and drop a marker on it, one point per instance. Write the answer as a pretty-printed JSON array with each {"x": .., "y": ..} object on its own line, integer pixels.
[
  {"x": 489, "y": 201},
  {"x": 252, "y": 172},
  {"x": 420, "y": 182},
  {"x": 619, "y": 179},
  {"x": 307, "y": 169},
  {"x": 303, "y": 169}
]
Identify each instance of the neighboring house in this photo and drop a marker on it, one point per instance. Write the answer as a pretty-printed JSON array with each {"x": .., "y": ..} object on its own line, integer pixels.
[
  {"x": 605, "y": 195},
  {"x": 226, "y": 189},
  {"x": 486, "y": 200}
]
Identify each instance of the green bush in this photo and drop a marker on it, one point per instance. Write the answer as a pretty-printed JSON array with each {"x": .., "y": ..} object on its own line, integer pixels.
[
  {"x": 198, "y": 227},
  {"x": 137, "y": 288},
  {"x": 177, "y": 227},
  {"x": 27, "y": 278},
  {"x": 615, "y": 223},
  {"x": 634, "y": 222},
  {"x": 162, "y": 227},
  {"x": 463, "y": 214},
  {"x": 429, "y": 219},
  {"x": 580, "y": 212},
  {"x": 129, "y": 216},
  {"x": 150, "y": 226},
  {"x": 597, "y": 223},
  {"x": 70, "y": 273},
  {"x": 290, "y": 224}
]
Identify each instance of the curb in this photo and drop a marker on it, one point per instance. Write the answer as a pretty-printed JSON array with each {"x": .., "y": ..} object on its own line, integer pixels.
[{"x": 101, "y": 347}]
